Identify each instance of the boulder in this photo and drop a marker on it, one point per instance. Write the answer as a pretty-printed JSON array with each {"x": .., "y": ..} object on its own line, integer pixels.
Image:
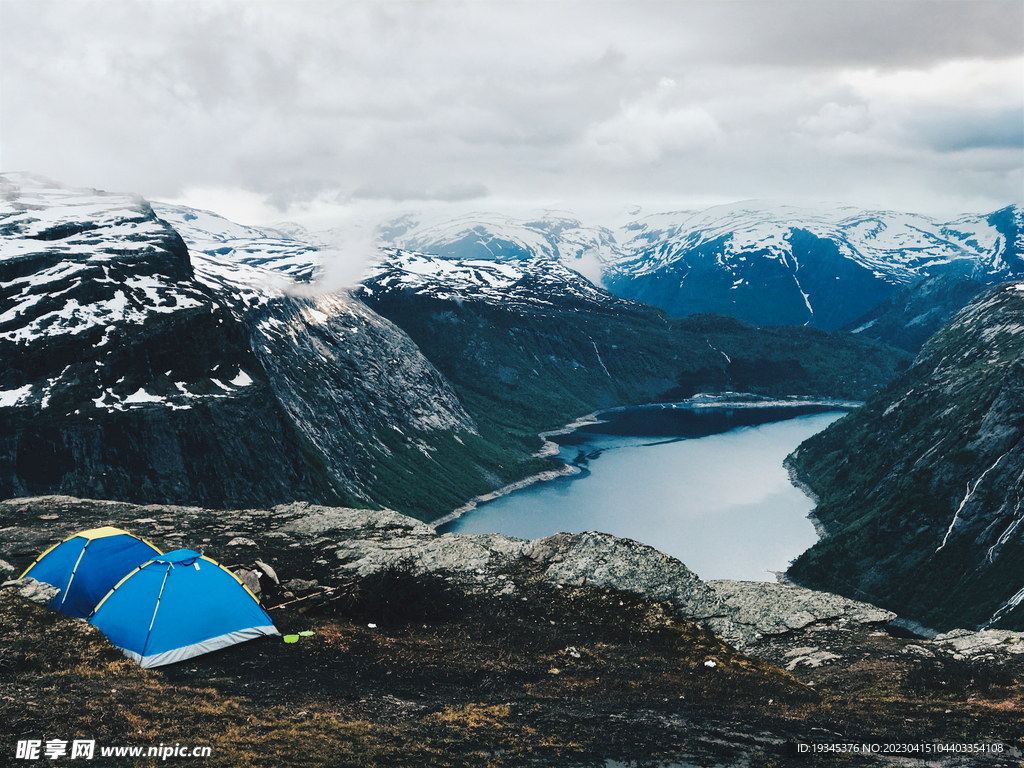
[
  {"x": 963, "y": 642},
  {"x": 36, "y": 591},
  {"x": 754, "y": 609},
  {"x": 603, "y": 560}
]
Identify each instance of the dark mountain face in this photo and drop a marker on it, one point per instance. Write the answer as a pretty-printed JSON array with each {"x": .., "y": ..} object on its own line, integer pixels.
[
  {"x": 921, "y": 488},
  {"x": 131, "y": 373},
  {"x": 911, "y": 316}
]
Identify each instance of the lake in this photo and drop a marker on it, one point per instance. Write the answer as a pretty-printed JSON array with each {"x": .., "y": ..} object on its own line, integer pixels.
[{"x": 721, "y": 503}]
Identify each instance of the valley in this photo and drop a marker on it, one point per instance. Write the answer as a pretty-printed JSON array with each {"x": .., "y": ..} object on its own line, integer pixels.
[{"x": 198, "y": 382}]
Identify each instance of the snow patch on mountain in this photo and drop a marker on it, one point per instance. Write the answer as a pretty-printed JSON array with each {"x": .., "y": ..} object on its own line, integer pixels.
[
  {"x": 548, "y": 235},
  {"x": 72, "y": 260},
  {"x": 254, "y": 264},
  {"x": 536, "y": 281},
  {"x": 897, "y": 245}
]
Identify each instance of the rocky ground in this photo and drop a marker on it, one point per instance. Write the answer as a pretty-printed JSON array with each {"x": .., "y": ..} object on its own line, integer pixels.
[{"x": 459, "y": 650}]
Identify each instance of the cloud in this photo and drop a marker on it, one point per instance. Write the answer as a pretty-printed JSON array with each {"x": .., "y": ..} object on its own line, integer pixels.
[
  {"x": 397, "y": 193},
  {"x": 652, "y": 125},
  {"x": 860, "y": 33},
  {"x": 956, "y": 131},
  {"x": 833, "y": 119},
  {"x": 319, "y": 106}
]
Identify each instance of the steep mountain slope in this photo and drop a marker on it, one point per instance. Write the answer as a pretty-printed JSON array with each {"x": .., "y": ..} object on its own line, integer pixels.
[
  {"x": 531, "y": 344},
  {"x": 910, "y": 317},
  {"x": 137, "y": 371},
  {"x": 921, "y": 488}
]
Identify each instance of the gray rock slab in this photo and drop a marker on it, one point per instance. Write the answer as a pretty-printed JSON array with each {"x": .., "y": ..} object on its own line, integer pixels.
[
  {"x": 603, "y": 560},
  {"x": 753, "y": 609},
  {"x": 36, "y": 591},
  {"x": 309, "y": 520},
  {"x": 966, "y": 643},
  {"x": 451, "y": 553}
]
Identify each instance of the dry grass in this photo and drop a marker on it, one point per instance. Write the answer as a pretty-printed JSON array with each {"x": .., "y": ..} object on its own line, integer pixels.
[{"x": 567, "y": 677}]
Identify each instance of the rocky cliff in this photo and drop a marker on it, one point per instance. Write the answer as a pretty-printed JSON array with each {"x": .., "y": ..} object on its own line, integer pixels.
[
  {"x": 920, "y": 489},
  {"x": 137, "y": 369}
]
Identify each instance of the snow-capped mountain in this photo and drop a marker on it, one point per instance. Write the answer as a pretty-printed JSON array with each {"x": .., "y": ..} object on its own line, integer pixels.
[
  {"x": 133, "y": 369},
  {"x": 782, "y": 265},
  {"x": 896, "y": 244},
  {"x": 550, "y": 235},
  {"x": 222, "y": 249},
  {"x": 533, "y": 281},
  {"x": 81, "y": 274},
  {"x": 765, "y": 263}
]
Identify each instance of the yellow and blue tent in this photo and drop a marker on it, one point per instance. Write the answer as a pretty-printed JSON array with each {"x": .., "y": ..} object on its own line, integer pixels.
[
  {"x": 85, "y": 566},
  {"x": 177, "y": 606}
]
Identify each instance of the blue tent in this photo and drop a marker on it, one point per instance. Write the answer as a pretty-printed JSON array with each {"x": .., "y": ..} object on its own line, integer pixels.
[
  {"x": 85, "y": 566},
  {"x": 177, "y": 606}
]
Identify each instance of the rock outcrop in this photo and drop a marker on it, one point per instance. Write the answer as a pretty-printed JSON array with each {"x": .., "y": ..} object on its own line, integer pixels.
[
  {"x": 35, "y": 591},
  {"x": 304, "y": 540}
]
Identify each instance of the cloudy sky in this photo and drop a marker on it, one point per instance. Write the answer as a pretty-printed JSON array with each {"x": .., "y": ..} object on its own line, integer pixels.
[{"x": 314, "y": 111}]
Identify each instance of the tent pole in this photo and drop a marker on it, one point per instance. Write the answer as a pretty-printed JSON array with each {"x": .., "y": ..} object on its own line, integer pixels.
[
  {"x": 73, "y": 572},
  {"x": 155, "y": 609}
]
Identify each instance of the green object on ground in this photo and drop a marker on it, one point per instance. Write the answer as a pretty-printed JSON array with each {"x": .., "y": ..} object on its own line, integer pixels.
[{"x": 291, "y": 638}]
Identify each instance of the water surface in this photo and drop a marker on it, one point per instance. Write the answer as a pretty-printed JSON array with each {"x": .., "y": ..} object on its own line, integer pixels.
[{"x": 723, "y": 504}]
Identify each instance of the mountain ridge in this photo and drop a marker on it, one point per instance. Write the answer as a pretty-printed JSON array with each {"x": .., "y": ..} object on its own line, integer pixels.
[
  {"x": 236, "y": 378},
  {"x": 765, "y": 263}
]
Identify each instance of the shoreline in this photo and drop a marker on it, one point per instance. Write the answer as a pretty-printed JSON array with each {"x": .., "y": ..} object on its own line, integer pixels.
[
  {"x": 550, "y": 474},
  {"x": 799, "y": 483},
  {"x": 550, "y": 448}
]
